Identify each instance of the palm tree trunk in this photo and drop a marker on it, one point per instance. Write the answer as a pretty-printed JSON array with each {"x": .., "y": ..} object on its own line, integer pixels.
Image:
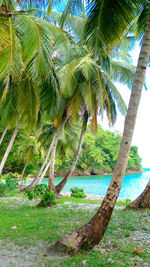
[
  {"x": 40, "y": 175},
  {"x": 9, "y": 148},
  {"x": 49, "y": 162},
  {"x": 60, "y": 186},
  {"x": 23, "y": 171},
  {"x": 51, "y": 184},
  {"x": 3, "y": 135},
  {"x": 143, "y": 201},
  {"x": 92, "y": 232}
]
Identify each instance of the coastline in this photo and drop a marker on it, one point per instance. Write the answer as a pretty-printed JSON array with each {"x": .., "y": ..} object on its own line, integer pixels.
[
  {"x": 91, "y": 197},
  {"x": 87, "y": 173},
  {"x": 93, "y": 172}
]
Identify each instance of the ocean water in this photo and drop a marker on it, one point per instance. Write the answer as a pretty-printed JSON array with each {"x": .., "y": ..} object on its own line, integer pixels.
[{"x": 132, "y": 186}]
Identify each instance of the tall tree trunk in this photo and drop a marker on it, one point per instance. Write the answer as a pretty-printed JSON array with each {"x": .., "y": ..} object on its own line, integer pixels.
[
  {"x": 38, "y": 178},
  {"x": 49, "y": 163},
  {"x": 23, "y": 171},
  {"x": 51, "y": 184},
  {"x": 9, "y": 148},
  {"x": 92, "y": 232},
  {"x": 60, "y": 186},
  {"x": 143, "y": 201},
  {"x": 3, "y": 135}
]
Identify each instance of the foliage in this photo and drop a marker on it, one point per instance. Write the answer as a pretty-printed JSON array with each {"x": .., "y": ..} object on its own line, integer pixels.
[
  {"x": 127, "y": 201},
  {"x": 41, "y": 191},
  {"x": 77, "y": 192},
  {"x": 3, "y": 189},
  {"x": 99, "y": 152},
  {"x": 9, "y": 184}
]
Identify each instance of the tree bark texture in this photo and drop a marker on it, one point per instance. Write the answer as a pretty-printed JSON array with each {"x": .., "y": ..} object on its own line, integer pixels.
[
  {"x": 51, "y": 184},
  {"x": 9, "y": 148},
  {"x": 23, "y": 171},
  {"x": 48, "y": 164},
  {"x": 92, "y": 232},
  {"x": 143, "y": 201},
  {"x": 3, "y": 135},
  {"x": 40, "y": 175},
  {"x": 60, "y": 186}
]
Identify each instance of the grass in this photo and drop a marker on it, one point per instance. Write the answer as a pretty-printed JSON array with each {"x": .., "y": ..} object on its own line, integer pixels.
[{"x": 46, "y": 225}]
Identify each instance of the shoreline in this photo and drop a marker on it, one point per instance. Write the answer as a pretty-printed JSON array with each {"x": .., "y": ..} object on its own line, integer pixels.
[
  {"x": 96, "y": 173},
  {"x": 87, "y": 173},
  {"x": 92, "y": 197}
]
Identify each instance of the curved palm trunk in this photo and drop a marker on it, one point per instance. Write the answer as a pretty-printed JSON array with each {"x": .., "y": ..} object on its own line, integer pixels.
[
  {"x": 60, "y": 186},
  {"x": 51, "y": 184},
  {"x": 9, "y": 148},
  {"x": 3, "y": 135},
  {"x": 92, "y": 232},
  {"x": 143, "y": 201},
  {"x": 40, "y": 175},
  {"x": 23, "y": 171},
  {"x": 49, "y": 162}
]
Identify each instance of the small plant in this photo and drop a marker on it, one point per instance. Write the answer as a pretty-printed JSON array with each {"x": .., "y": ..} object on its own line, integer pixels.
[
  {"x": 9, "y": 184},
  {"x": 127, "y": 201},
  {"x": 3, "y": 189},
  {"x": 77, "y": 192},
  {"x": 41, "y": 192}
]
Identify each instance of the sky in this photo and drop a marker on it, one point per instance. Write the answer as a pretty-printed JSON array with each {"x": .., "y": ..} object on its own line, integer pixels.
[{"x": 141, "y": 136}]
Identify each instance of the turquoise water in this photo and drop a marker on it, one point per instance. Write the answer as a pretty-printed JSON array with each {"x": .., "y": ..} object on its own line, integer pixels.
[{"x": 132, "y": 186}]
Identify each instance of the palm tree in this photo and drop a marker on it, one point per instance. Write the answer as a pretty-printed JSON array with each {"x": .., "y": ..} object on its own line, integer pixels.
[
  {"x": 58, "y": 188},
  {"x": 3, "y": 135},
  {"x": 66, "y": 144},
  {"x": 82, "y": 65},
  {"x": 86, "y": 79},
  {"x": 120, "y": 70},
  {"x": 9, "y": 148},
  {"x": 27, "y": 44},
  {"x": 99, "y": 12},
  {"x": 92, "y": 232},
  {"x": 53, "y": 144},
  {"x": 27, "y": 152}
]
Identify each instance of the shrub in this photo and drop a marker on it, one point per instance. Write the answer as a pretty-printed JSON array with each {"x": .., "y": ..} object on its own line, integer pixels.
[
  {"x": 10, "y": 184},
  {"x": 127, "y": 201},
  {"x": 77, "y": 192},
  {"x": 3, "y": 189},
  {"x": 41, "y": 191}
]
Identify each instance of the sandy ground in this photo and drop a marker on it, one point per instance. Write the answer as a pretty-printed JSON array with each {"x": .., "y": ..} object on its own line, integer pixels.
[{"x": 91, "y": 197}]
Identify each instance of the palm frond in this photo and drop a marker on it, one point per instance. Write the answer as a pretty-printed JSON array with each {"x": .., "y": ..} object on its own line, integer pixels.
[{"x": 108, "y": 20}]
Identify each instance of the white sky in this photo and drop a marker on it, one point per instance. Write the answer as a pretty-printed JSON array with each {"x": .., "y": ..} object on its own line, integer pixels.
[{"x": 141, "y": 137}]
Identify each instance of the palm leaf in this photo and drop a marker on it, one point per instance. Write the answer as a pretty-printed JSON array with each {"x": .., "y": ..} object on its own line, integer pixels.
[{"x": 108, "y": 20}]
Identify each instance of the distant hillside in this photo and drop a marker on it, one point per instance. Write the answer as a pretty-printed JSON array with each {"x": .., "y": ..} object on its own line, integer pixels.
[{"x": 99, "y": 154}]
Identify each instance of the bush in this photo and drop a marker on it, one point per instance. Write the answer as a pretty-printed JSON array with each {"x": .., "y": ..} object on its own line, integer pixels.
[
  {"x": 41, "y": 191},
  {"x": 3, "y": 189},
  {"x": 127, "y": 201},
  {"x": 10, "y": 184},
  {"x": 77, "y": 192}
]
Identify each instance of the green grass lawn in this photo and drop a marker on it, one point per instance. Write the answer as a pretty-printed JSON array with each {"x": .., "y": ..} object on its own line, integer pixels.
[{"x": 39, "y": 228}]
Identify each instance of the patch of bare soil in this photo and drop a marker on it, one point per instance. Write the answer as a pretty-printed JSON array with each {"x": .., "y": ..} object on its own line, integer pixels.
[{"x": 12, "y": 255}]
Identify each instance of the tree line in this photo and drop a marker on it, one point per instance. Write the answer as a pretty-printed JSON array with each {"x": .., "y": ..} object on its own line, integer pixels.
[{"x": 98, "y": 154}]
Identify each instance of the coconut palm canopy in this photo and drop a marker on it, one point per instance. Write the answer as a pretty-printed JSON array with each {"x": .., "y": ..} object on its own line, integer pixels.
[{"x": 27, "y": 45}]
